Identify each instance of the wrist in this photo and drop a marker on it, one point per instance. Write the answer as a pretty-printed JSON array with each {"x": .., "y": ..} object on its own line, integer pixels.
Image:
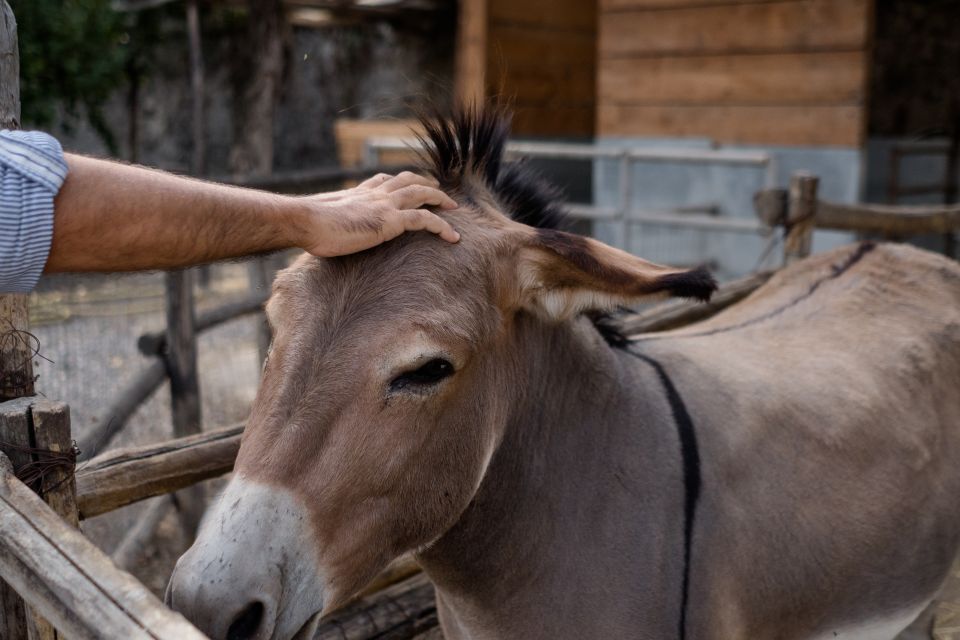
[
  {"x": 294, "y": 221},
  {"x": 307, "y": 222}
]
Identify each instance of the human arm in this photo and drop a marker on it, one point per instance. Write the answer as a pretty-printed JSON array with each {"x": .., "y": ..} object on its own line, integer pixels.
[{"x": 116, "y": 217}]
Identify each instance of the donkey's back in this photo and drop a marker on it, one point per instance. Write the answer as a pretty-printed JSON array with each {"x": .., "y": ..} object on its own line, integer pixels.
[{"x": 827, "y": 408}]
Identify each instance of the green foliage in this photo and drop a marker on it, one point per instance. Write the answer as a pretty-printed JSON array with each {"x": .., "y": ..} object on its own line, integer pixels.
[{"x": 74, "y": 55}]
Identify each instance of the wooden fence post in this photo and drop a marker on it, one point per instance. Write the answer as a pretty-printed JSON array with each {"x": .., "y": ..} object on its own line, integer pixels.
[
  {"x": 801, "y": 210},
  {"x": 35, "y": 436},
  {"x": 181, "y": 360},
  {"x": 72, "y": 582},
  {"x": 16, "y": 362},
  {"x": 16, "y": 355}
]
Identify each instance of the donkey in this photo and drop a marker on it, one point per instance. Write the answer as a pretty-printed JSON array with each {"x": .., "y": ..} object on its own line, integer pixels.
[{"x": 787, "y": 469}]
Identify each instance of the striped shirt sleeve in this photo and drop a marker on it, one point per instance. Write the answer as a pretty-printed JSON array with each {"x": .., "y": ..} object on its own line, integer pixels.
[{"x": 32, "y": 169}]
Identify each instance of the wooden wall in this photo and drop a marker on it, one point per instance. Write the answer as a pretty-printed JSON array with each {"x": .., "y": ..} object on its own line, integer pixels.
[
  {"x": 777, "y": 72},
  {"x": 538, "y": 54}
]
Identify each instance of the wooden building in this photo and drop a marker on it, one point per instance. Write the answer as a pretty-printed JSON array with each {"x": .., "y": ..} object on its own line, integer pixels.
[
  {"x": 788, "y": 72},
  {"x": 808, "y": 82}
]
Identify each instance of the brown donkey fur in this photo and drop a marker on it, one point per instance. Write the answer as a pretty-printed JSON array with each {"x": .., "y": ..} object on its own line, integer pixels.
[{"x": 787, "y": 469}]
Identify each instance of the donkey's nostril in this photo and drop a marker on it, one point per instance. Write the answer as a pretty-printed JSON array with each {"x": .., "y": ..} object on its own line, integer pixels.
[{"x": 246, "y": 625}]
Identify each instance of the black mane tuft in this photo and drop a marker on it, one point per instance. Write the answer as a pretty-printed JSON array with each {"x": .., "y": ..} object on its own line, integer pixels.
[{"x": 470, "y": 144}]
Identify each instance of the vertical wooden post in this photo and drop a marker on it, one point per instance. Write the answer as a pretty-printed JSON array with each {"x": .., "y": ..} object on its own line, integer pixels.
[
  {"x": 50, "y": 423},
  {"x": 16, "y": 363},
  {"x": 181, "y": 354},
  {"x": 181, "y": 360},
  {"x": 35, "y": 436},
  {"x": 16, "y": 357},
  {"x": 471, "y": 53},
  {"x": 14, "y": 432},
  {"x": 252, "y": 152},
  {"x": 801, "y": 210},
  {"x": 199, "y": 160}
]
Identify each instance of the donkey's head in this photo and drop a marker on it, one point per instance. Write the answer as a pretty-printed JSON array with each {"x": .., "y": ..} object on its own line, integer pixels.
[{"x": 388, "y": 388}]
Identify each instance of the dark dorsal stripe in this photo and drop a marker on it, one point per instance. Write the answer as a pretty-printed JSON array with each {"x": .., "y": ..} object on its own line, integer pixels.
[
  {"x": 690, "y": 454},
  {"x": 836, "y": 271}
]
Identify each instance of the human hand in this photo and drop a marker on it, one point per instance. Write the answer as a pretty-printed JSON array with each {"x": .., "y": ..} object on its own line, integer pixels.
[{"x": 379, "y": 209}]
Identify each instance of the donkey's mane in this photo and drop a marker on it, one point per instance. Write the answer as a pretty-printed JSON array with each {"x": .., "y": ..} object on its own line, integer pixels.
[
  {"x": 467, "y": 148},
  {"x": 464, "y": 152}
]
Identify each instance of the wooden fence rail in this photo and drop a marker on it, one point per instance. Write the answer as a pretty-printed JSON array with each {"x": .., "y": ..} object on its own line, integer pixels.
[
  {"x": 68, "y": 580},
  {"x": 125, "y": 476},
  {"x": 885, "y": 220},
  {"x": 891, "y": 221}
]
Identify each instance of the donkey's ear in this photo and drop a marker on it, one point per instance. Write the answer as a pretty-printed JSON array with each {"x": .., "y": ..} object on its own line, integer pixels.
[{"x": 561, "y": 274}]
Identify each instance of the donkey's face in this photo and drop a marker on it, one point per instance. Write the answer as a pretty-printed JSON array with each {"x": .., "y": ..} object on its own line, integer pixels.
[{"x": 388, "y": 387}]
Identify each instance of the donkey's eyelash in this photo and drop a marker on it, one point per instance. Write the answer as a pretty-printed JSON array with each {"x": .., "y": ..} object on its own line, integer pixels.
[{"x": 427, "y": 374}]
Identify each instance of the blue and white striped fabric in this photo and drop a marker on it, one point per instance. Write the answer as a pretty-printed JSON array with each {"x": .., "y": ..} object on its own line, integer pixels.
[{"x": 32, "y": 169}]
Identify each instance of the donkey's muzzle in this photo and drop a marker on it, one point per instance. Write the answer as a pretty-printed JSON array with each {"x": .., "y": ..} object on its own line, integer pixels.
[{"x": 252, "y": 572}]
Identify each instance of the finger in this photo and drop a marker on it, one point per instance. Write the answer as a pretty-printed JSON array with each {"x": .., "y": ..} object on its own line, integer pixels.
[
  {"x": 416, "y": 196},
  {"x": 375, "y": 181},
  {"x": 406, "y": 179},
  {"x": 423, "y": 220}
]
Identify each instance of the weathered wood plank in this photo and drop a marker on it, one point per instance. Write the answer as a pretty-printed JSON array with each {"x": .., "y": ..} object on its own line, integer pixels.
[
  {"x": 679, "y": 313},
  {"x": 50, "y": 426},
  {"x": 15, "y": 431},
  {"x": 470, "y": 62},
  {"x": 801, "y": 209},
  {"x": 397, "y": 613},
  {"x": 891, "y": 221},
  {"x": 774, "y": 79},
  {"x": 524, "y": 47},
  {"x": 803, "y": 25},
  {"x": 787, "y": 125},
  {"x": 125, "y": 476},
  {"x": 9, "y": 69},
  {"x": 71, "y": 582},
  {"x": 545, "y": 85},
  {"x": 16, "y": 357},
  {"x": 577, "y": 15},
  {"x": 620, "y": 5},
  {"x": 14, "y": 441},
  {"x": 547, "y": 120},
  {"x": 181, "y": 361},
  {"x": 16, "y": 348}
]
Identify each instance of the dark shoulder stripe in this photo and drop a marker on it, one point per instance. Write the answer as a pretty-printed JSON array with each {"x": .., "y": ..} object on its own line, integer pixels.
[{"x": 690, "y": 455}]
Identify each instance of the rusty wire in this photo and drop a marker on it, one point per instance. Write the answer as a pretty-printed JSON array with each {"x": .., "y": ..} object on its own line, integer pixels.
[
  {"x": 13, "y": 340},
  {"x": 44, "y": 462}
]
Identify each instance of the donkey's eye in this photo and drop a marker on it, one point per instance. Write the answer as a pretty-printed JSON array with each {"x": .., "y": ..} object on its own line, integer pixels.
[{"x": 430, "y": 373}]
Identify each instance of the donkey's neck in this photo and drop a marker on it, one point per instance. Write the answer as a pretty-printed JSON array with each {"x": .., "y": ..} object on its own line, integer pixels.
[{"x": 577, "y": 529}]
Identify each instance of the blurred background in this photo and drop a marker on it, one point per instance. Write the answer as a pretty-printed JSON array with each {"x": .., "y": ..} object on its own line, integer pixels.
[{"x": 659, "y": 118}]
